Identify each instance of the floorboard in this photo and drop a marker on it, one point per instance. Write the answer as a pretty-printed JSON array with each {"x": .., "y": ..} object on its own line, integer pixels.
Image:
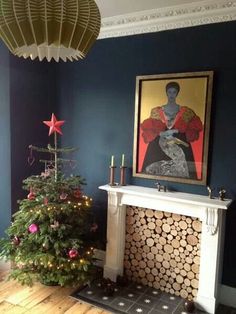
[{"x": 40, "y": 299}]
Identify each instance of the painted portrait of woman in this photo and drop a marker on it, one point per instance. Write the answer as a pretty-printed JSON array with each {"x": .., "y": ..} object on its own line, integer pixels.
[
  {"x": 172, "y": 129},
  {"x": 169, "y": 132}
]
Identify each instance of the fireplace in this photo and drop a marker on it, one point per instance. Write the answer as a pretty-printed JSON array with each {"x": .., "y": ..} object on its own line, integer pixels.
[
  {"x": 205, "y": 212},
  {"x": 162, "y": 250}
]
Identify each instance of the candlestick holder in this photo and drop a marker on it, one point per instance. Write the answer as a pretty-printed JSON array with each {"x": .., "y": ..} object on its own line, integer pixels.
[
  {"x": 112, "y": 175},
  {"x": 122, "y": 175}
]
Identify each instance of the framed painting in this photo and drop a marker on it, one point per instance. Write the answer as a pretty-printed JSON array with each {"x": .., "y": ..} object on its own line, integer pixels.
[{"x": 171, "y": 129}]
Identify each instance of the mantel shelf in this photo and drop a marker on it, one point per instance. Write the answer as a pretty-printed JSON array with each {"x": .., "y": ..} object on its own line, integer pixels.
[{"x": 184, "y": 198}]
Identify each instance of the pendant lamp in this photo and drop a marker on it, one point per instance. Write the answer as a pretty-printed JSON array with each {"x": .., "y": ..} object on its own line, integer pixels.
[{"x": 51, "y": 29}]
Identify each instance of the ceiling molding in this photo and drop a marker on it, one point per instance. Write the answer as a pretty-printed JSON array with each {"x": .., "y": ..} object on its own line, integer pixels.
[{"x": 187, "y": 15}]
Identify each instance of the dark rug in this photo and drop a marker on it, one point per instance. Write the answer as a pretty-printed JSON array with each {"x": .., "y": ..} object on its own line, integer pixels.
[{"x": 133, "y": 299}]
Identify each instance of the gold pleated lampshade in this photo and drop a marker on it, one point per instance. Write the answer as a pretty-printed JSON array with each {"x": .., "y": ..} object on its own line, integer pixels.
[{"x": 51, "y": 29}]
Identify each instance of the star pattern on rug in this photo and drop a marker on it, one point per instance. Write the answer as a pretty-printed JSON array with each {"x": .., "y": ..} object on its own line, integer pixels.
[{"x": 165, "y": 307}]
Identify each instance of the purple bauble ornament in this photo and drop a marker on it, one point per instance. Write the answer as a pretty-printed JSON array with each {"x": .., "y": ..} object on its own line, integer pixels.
[
  {"x": 33, "y": 228},
  {"x": 109, "y": 290},
  {"x": 189, "y": 306}
]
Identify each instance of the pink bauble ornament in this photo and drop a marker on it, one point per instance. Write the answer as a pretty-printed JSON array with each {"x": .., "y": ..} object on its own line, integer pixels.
[
  {"x": 33, "y": 228},
  {"x": 73, "y": 253}
]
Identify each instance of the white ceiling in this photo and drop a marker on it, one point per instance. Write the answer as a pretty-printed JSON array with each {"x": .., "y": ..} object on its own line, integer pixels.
[{"x": 109, "y": 8}]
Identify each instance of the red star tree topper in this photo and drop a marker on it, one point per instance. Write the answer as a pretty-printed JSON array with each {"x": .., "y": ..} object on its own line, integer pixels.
[{"x": 54, "y": 125}]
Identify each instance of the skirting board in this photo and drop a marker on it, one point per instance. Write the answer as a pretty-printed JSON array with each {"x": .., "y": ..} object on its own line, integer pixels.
[{"x": 227, "y": 296}]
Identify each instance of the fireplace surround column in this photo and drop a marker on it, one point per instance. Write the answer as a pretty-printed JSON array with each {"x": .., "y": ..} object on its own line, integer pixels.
[{"x": 115, "y": 236}]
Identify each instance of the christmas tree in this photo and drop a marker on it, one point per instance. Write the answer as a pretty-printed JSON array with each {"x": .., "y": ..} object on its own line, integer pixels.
[{"x": 46, "y": 239}]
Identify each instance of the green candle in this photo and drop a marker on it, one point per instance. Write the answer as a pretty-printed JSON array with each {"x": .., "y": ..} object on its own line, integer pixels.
[
  {"x": 112, "y": 160},
  {"x": 123, "y": 160}
]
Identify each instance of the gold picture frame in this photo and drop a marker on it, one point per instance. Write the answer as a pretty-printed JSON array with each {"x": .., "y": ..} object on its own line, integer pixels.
[{"x": 171, "y": 127}]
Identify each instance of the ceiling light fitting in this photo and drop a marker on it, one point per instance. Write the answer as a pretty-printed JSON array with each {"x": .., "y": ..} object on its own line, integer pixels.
[{"x": 51, "y": 29}]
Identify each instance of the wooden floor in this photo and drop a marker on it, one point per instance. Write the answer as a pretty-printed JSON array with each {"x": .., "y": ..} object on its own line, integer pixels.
[{"x": 40, "y": 299}]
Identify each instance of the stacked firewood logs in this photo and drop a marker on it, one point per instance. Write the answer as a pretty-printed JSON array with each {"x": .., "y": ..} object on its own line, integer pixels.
[{"x": 162, "y": 250}]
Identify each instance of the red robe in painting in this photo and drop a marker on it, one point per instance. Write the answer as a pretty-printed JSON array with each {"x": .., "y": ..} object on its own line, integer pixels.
[{"x": 189, "y": 127}]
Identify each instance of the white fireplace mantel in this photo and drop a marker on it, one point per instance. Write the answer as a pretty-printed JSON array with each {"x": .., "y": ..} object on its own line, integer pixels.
[{"x": 209, "y": 211}]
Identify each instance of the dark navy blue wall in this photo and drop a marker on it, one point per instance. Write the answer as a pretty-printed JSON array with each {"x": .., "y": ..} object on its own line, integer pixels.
[
  {"x": 28, "y": 95},
  {"x": 5, "y": 158},
  {"x": 32, "y": 100},
  {"x": 96, "y": 97}
]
